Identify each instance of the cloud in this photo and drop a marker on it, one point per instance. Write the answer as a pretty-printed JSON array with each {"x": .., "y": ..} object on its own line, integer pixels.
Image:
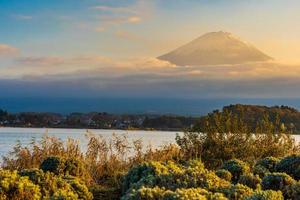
[
  {"x": 40, "y": 61},
  {"x": 152, "y": 85},
  {"x": 134, "y": 19},
  {"x": 127, "y": 35},
  {"x": 83, "y": 66},
  {"x": 115, "y": 10},
  {"x": 146, "y": 76},
  {"x": 100, "y": 29},
  {"x": 6, "y": 50},
  {"x": 93, "y": 65},
  {"x": 112, "y": 20},
  {"x": 116, "y": 16},
  {"x": 22, "y": 17},
  {"x": 108, "y": 21}
]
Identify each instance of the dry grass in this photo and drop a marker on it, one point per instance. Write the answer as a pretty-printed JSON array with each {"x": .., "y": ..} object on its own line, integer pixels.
[{"x": 105, "y": 160}]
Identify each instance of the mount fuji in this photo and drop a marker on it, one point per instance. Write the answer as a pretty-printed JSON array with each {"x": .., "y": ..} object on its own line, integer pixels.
[{"x": 215, "y": 48}]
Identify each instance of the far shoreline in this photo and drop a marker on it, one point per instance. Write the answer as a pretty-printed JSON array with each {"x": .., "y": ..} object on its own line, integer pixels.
[{"x": 85, "y": 128}]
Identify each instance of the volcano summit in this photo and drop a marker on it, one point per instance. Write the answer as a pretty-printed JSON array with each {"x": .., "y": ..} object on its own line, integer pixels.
[{"x": 215, "y": 48}]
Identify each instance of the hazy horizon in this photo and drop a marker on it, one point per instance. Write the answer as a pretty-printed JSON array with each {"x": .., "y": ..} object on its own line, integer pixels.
[{"x": 155, "y": 106}]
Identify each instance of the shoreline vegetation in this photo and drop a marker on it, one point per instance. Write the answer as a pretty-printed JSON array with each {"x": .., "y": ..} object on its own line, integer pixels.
[
  {"x": 217, "y": 160},
  {"x": 250, "y": 114}
]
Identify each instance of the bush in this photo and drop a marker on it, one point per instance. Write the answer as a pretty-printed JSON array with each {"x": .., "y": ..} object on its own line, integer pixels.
[
  {"x": 171, "y": 176},
  {"x": 61, "y": 166},
  {"x": 62, "y": 194},
  {"x": 15, "y": 187},
  {"x": 266, "y": 195},
  {"x": 236, "y": 168},
  {"x": 57, "y": 186},
  {"x": 250, "y": 180},
  {"x": 260, "y": 171},
  {"x": 238, "y": 192},
  {"x": 136, "y": 173},
  {"x": 224, "y": 174},
  {"x": 53, "y": 164},
  {"x": 73, "y": 167},
  {"x": 35, "y": 175},
  {"x": 156, "y": 193},
  {"x": 105, "y": 193},
  {"x": 222, "y": 136},
  {"x": 293, "y": 191},
  {"x": 269, "y": 163},
  {"x": 277, "y": 181},
  {"x": 152, "y": 194},
  {"x": 290, "y": 165},
  {"x": 79, "y": 188}
]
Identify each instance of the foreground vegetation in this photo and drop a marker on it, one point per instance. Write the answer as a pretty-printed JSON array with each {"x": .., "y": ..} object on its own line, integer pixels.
[
  {"x": 269, "y": 178},
  {"x": 223, "y": 159}
]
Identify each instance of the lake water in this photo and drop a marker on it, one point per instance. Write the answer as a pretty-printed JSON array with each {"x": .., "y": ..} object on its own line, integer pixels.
[{"x": 9, "y": 136}]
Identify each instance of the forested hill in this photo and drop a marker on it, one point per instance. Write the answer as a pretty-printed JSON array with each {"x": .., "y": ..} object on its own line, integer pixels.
[{"x": 254, "y": 115}]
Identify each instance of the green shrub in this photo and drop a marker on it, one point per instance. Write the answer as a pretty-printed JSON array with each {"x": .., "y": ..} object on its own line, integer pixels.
[
  {"x": 224, "y": 174},
  {"x": 59, "y": 165},
  {"x": 268, "y": 163},
  {"x": 260, "y": 171},
  {"x": 73, "y": 167},
  {"x": 79, "y": 188},
  {"x": 172, "y": 176},
  {"x": 195, "y": 164},
  {"x": 152, "y": 194},
  {"x": 293, "y": 191},
  {"x": 136, "y": 173},
  {"x": 277, "y": 181},
  {"x": 266, "y": 195},
  {"x": 236, "y": 168},
  {"x": 290, "y": 165},
  {"x": 15, "y": 187},
  {"x": 196, "y": 193},
  {"x": 250, "y": 180},
  {"x": 62, "y": 194},
  {"x": 35, "y": 175},
  {"x": 105, "y": 193},
  {"x": 48, "y": 182},
  {"x": 53, "y": 164},
  {"x": 238, "y": 192},
  {"x": 158, "y": 193},
  {"x": 57, "y": 186},
  {"x": 226, "y": 135}
]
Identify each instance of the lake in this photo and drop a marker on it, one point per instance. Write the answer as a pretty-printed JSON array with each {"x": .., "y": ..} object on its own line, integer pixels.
[{"x": 9, "y": 136}]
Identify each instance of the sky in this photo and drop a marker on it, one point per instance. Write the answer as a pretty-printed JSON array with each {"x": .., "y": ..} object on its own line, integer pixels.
[{"x": 94, "y": 48}]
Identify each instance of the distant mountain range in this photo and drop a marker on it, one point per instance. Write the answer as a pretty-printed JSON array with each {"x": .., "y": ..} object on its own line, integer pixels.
[{"x": 215, "y": 48}]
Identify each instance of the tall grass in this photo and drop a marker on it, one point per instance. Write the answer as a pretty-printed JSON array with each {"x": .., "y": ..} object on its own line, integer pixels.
[{"x": 104, "y": 160}]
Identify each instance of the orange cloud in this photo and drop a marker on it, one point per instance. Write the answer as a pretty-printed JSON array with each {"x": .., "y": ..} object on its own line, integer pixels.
[
  {"x": 41, "y": 61},
  {"x": 115, "y": 16},
  {"x": 134, "y": 19},
  {"x": 6, "y": 50},
  {"x": 127, "y": 35}
]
